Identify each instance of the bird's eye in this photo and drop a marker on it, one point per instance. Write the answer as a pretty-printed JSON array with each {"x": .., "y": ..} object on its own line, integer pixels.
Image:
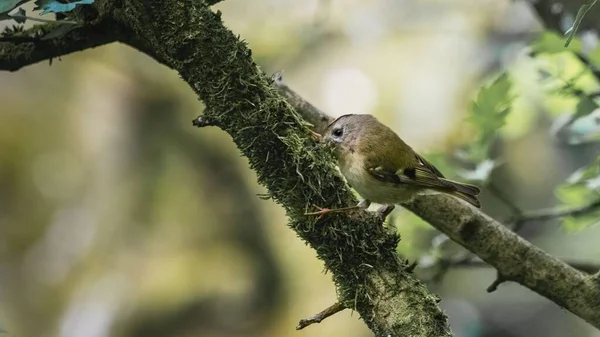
[{"x": 338, "y": 132}]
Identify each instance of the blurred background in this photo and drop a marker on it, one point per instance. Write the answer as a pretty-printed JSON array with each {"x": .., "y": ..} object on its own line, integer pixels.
[{"x": 118, "y": 218}]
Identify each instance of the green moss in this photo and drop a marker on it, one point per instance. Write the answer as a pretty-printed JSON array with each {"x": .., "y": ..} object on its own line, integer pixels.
[{"x": 297, "y": 172}]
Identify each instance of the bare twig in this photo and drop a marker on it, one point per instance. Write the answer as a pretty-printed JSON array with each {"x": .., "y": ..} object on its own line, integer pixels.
[
  {"x": 330, "y": 311},
  {"x": 553, "y": 213},
  {"x": 498, "y": 281},
  {"x": 504, "y": 198}
]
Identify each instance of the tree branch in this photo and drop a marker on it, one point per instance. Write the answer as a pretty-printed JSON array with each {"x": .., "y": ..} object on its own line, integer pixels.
[
  {"x": 514, "y": 258},
  {"x": 369, "y": 276},
  {"x": 554, "y": 213},
  {"x": 318, "y": 318},
  {"x": 297, "y": 172},
  {"x": 37, "y": 44}
]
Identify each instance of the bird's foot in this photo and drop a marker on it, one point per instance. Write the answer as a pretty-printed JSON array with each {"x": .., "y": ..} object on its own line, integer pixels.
[
  {"x": 385, "y": 210},
  {"x": 323, "y": 210}
]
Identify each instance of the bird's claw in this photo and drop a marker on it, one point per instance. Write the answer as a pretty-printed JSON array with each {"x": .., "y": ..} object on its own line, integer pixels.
[{"x": 322, "y": 211}]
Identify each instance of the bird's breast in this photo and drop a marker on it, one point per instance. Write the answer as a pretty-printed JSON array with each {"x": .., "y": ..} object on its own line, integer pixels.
[{"x": 371, "y": 188}]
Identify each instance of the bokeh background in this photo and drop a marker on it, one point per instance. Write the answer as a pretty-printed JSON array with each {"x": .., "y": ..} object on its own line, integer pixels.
[{"x": 118, "y": 218}]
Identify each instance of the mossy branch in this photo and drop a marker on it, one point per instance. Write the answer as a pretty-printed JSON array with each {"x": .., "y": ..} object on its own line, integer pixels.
[
  {"x": 298, "y": 173},
  {"x": 189, "y": 38}
]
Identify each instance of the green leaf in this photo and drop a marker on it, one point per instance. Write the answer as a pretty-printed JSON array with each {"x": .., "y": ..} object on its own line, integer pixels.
[
  {"x": 552, "y": 43},
  {"x": 574, "y": 194},
  {"x": 578, "y": 19},
  {"x": 585, "y": 173},
  {"x": 488, "y": 114},
  {"x": 581, "y": 222},
  {"x": 581, "y": 186},
  {"x": 585, "y": 106},
  {"x": 55, "y": 6}
]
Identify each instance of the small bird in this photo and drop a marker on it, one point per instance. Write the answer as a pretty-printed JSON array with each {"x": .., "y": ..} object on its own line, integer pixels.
[{"x": 382, "y": 168}]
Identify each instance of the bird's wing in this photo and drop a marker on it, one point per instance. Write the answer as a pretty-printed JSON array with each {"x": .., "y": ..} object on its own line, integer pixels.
[
  {"x": 428, "y": 165},
  {"x": 420, "y": 176}
]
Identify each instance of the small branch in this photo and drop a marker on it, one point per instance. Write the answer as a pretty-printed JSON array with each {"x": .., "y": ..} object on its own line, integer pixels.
[
  {"x": 498, "y": 281},
  {"x": 203, "y": 121},
  {"x": 553, "y": 213},
  {"x": 330, "y": 311},
  {"x": 27, "y": 47},
  {"x": 504, "y": 198}
]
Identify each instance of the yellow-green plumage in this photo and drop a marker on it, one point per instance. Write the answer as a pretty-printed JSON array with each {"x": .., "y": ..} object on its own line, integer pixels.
[{"x": 382, "y": 168}]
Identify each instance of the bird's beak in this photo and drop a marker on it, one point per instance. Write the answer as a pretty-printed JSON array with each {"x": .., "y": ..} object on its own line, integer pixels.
[{"x": 316, "y": 136}]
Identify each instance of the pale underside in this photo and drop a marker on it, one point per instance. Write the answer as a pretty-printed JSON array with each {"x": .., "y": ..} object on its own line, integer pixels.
[{"x": 372, "y": 189}]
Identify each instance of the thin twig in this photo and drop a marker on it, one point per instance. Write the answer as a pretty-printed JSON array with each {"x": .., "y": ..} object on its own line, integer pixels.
[
  {"x": 553, "y": 213},
  {"x": 500, "y": 195},
  {"x": 498, "y": 281},
  {"x": 330, "y": 311}
]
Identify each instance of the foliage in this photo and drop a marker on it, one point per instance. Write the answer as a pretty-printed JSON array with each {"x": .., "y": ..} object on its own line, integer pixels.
[
  {"x": 578, "y": 19},
  {"x": 46, "y": 6},
  {"x": 579, "y": 189},
  {"x": 487, "y": 115}
]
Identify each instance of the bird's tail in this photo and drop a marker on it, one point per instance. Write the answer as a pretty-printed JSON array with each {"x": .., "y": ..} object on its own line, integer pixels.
[{"x": 465, "y": 192}]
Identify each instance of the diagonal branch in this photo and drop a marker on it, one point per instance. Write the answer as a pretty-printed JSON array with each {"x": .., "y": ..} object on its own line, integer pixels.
[
  {"x": 514, "y": 258},
  {"x": 369, "y": 276}
]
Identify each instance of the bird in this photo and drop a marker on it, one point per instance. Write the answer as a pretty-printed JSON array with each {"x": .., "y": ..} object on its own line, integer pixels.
[{"x": 382, "y": 168}]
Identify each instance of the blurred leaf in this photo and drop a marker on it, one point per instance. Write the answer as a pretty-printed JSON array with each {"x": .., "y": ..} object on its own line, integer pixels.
[
  {"x": 440, "y": 161},
  {"x": 482, "y": 171},
  {"x": 581, "y": 222},
  {"x": 585, "y": 106},
  {"x": 578, "y": 19},
  {"x": 584, "y": 129},
  {"x": 585, "y": 173},
  {"x": 54, "y": 6},
  {"x": 551, "y": 43},
  {"x": 488, "y": 114},
  {"x": 574, "y": 194},
  {"x": 579, "y": 189}
]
